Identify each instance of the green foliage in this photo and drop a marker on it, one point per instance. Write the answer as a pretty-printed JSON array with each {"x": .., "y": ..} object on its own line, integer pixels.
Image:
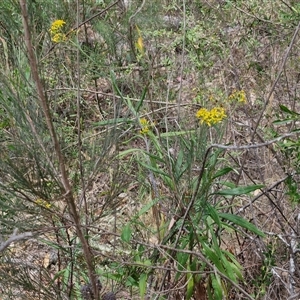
[
  {"x": 263, "y": 280},
  {"x": 193, "y": 198},
  {"x": 126, "y": 233}
]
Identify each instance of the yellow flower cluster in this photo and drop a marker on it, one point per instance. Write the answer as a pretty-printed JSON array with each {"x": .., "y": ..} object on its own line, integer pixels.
[
  {"x": 43, "y": 203},
  {"x": 139, "y": 43},
  {"x": 56, "y": 31},
  {"x": 145, "y": 126},
  {"x": 238, "y": 96},
  {"x": 211, "y": 117}
]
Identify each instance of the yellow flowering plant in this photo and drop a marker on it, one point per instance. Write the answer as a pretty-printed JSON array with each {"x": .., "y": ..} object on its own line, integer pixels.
[
  {"x": 169, "y": 160},
  {"x": 146, "y": 126},
  {"x": 211, "y": 117},
  {"x": 238, "y": 96},
  {"x": 43, "y": 203},
  {"x": 139, "y": 45},
  {"x": 56, "y": 31}
]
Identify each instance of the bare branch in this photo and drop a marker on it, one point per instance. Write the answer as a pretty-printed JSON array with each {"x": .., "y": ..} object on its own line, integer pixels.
[
  {"x": 15, "y": 238},
  {"x": 251, "y": 146}
]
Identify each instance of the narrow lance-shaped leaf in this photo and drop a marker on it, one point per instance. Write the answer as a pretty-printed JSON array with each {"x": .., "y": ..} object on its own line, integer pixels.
[
  {"x": 237, "y": 220},
  {"x": 240, "y": 190},
  {"x": 190, "y": 284},
  {"x": 217, "y": 286},
  {"x": 139, "y": 105},
  {"x": 288, "y": 111},
  {"x": 153, "y": 169},
  {"x": 222, "y": 172},
  {"x": 143, "y": 285},
  {"x": 213, "y": 214}
]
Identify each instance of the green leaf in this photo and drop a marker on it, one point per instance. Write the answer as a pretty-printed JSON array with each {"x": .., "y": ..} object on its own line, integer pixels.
[
  {"x": 130, "y": 106},
  {"x": 237, "y": 268},
  {"x": 147, "y": 207},
  {"x": 228, "y": 267},
  {"x": 179, "y": 161},
  {"x": 66, "y": 274},
  {"x": 115, "y": 86},
  {"x": 143, "y": 285},
  {"x": 284, "y": 121},
  {"x": 213, "y": 214},
  {"x": 237, "y": 220},
  {"x": 139, "y": 105},
  {"x": 130, "y": 281},
  {"x": 190, "y": 284},
  {"x": 286, "y": 110},
  {"x": 126, "y": 233},
  {"x": 155, "y": 157},
  {"x": 60, "y": 273},
  {"x": 128, "y": 151},
  {"x": 240, "y": 190},
  {"x": 176, "y": 133},
  {"x": 147, "y": 263},
  {"x": 181, "y": 260},
  {"x": 211, "y": 255},
  {"x": 222, "y": 172},
  {"x": 153, "y": 169},
  {"x": 179, "y": 169},
  {"x": 217, "y": 286},
  {"x": 227, "y": 184}
]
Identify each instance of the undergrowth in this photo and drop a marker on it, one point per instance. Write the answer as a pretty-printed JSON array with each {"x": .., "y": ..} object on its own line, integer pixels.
[{"x": 149, "y": 150}]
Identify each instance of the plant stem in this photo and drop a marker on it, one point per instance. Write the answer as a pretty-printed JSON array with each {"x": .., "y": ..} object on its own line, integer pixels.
[{"x": 68, "y": 195}]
